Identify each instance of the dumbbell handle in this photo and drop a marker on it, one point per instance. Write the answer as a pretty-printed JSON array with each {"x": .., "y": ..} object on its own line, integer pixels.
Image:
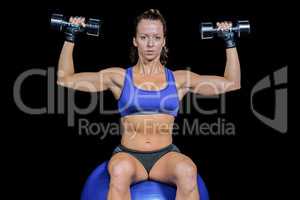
[
  {"x": 215, "y": 30},
  {"x": 76, "y": 25},
  {"x": 92, "y": 26},
  {"x": 208, "y": 28}
]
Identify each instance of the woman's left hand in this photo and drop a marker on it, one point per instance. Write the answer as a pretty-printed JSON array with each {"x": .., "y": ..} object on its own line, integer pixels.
[
  {"x": 224, "y": 32},
  {"x": 224, "y": 26}
]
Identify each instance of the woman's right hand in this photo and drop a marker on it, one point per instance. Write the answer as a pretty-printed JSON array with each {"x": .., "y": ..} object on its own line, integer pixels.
[
  {"x": 77, "y": 20},
  {"x": 225, "y": 32},
  {"x": 72, "y": 32}
]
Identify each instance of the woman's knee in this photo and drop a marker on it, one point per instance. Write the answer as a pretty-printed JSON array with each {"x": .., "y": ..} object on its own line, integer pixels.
[
  {"x": 121, "y": 171},
  {"x": 121, "y": 168},
  {"x": 186, "y": 174}
]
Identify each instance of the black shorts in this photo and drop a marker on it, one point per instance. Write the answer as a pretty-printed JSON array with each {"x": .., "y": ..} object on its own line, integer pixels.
[{"x": 148, "y": 158}]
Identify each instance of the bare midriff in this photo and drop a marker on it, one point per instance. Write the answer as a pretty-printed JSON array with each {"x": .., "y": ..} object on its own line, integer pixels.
[{"x": 147, "y": 132}]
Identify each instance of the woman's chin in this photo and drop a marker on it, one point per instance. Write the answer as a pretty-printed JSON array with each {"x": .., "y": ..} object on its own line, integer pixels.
[{"x": 150, "y": 58}]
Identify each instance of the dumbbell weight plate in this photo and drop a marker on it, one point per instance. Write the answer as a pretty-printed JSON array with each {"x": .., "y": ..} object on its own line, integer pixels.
[
  {"x": 206, "y": 30},
  {"x": 244, "y": 27},
  {"x": 93, "y": 27},
  {"x": 56, "y": 21}
]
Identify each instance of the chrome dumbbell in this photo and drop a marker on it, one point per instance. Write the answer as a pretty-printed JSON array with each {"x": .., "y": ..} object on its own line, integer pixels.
[{"x": 208, "y": 30}]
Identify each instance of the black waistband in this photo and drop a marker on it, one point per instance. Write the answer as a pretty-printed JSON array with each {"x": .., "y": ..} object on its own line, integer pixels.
[{"x": 137, "y": 151}]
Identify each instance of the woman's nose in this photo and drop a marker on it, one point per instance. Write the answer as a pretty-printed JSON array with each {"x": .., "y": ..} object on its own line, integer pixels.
[{"x": 150, "y": 43}]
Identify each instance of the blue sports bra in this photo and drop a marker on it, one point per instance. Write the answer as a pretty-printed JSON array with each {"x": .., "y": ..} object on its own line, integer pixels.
[{"x": 134, "y": 100}]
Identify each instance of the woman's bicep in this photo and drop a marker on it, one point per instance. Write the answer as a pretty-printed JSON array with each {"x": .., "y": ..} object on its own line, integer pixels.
[
  {"x": 206, "y": 84},
  {"x": 90, "y": 81},
  {"x": 210, "y": 85}
]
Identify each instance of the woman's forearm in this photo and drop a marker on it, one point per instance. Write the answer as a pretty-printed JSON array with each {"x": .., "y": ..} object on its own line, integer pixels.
[
  {"x": 65, "y": 63},
  {"x": 232, "y": 69}
]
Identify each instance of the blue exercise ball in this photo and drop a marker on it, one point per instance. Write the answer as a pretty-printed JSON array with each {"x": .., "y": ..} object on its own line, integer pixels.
[{"x": 97, "y": 185}]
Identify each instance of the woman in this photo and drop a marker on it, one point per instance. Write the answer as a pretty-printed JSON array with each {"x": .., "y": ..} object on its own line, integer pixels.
[{"x": 149, "y": 95}]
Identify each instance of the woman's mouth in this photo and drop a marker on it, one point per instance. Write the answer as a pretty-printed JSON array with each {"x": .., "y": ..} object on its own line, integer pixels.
[{"x": 150, "y": 52}]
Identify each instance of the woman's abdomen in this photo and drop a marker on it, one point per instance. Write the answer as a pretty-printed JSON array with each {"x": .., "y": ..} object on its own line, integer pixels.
[{"x": 147, "y": 133}]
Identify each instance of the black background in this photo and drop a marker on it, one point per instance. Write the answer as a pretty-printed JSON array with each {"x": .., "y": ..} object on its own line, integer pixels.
[{"x": 50, "y": 159}]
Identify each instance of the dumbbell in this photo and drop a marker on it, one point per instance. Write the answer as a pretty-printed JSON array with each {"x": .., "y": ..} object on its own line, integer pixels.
[
  {"x": 208, "y": 30},
  {"x": 59, "y": 23}
]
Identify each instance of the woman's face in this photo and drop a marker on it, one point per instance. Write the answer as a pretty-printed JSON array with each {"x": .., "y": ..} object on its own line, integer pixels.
[{"x": 149, "y": 39}]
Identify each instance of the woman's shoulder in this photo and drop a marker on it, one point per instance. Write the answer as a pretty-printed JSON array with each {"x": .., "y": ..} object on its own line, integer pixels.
[
  {"x": 179, "y": 76},
  {"x": 180, "y": 72},
  {"x": 115, "y": 71},
  {"x": 116, "y": 74}
]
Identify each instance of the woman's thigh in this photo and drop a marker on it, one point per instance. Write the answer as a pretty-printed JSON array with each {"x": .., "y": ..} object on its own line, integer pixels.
[{"x": 169, "y": 166}]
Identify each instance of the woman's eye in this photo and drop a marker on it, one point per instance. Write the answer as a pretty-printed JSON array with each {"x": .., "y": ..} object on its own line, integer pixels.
[{"x": 143, "y": 37}]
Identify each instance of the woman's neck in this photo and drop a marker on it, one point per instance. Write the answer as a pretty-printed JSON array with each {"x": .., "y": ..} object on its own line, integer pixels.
[{"x": 149, "y": 68}]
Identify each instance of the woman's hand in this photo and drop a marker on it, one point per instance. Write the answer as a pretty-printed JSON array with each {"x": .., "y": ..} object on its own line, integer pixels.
[
  {"x": 71, "y": 32},
  {"x": 224, "y": 32},
  {"x": 224, "y": 26},
  {"x": 77, "y": 21}
]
